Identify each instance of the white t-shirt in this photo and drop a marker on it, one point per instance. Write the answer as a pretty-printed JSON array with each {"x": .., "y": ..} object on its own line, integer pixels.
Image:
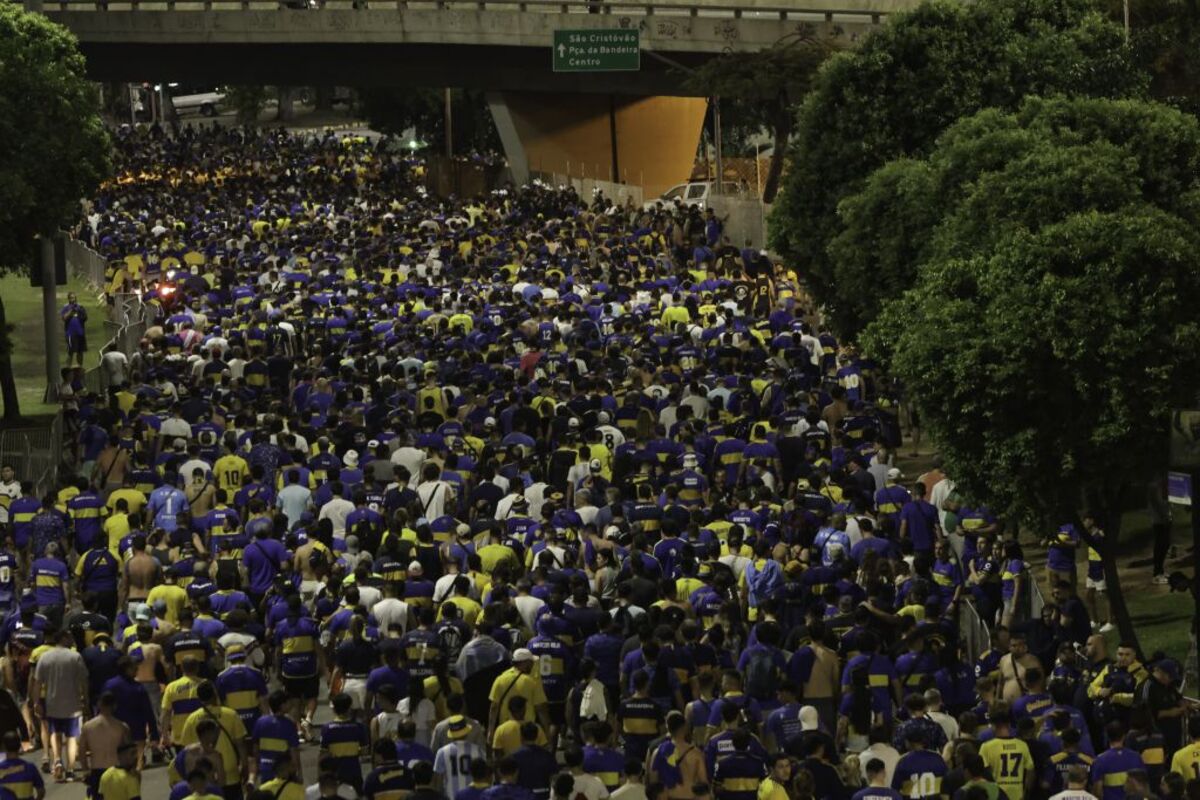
[
  {"x": 590, "y": 787},
  {"x": 336, "y": 511},
  {"x": 1074, "y": 794},
  {"x": 391, "y": 611},
  {"x": 431, "y": 497},
  {"x": 885, "y": 753}
]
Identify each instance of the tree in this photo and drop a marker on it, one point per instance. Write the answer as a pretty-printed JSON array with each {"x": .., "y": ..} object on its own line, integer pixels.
[
  {"x": 395, "y": 111},
  {"x": 908, "y": 82},
  {"x": 247, "y": 102},
  {"x": 1051, "y": 328},
  {"x": 53, "y": 147},
  {"x": 764, "y": 89}
]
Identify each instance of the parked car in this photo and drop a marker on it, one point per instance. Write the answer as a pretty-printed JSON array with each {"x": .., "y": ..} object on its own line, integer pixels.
[
  {"x": 206, "y": 103},
  {"x": 694, "y": 193}
]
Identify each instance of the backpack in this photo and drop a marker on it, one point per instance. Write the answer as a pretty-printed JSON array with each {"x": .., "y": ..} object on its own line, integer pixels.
[
  {"x": 228, "y": 566},
  {"x": 762, "y": 680},
  {"x": 317, "y": 559}
]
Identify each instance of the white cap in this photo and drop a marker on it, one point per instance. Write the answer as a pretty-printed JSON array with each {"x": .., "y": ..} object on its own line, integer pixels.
[
  {"x": 690, "y": 460},
  {"x": 415, "y": 566},
  {"x": 490, "y": 422},
  {"x": 351, "y": 458},
  {"x": 371, "y": 445},
  {"x": 573, "y": 422},
  {"x": 894, "y": 474},
  {"x": 595, "y": 465},
  {"x": 522, "y": 654},
  {"x": 603, "y": 418}
]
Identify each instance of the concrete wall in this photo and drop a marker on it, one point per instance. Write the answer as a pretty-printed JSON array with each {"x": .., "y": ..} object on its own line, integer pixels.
[
  {"x": 587, "y": 187},
  {"x": 744, "y": 219},
  {"x": 572, "y": 135}
]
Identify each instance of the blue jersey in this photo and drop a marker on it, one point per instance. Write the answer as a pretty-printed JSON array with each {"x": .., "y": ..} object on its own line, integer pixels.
[
  {"x": 297, "y": 643},
  {"x": 918, "y": 775},
  {"x": 1111, "y": 769},
  {"x": 275, "y": 736},
  {"x": 345, "y": 740},
  {"x": 242, "y": 688}
]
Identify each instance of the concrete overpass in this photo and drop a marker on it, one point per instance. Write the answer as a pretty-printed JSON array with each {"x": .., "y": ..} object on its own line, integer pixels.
[{"x": 547, "y": 120}]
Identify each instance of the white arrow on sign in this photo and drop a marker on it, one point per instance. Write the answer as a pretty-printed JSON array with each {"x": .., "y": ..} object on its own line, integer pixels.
[{"x": 562, "y": 51}]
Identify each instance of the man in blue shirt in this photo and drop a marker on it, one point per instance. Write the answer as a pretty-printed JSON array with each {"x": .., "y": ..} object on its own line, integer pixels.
[
  {"x": 1112, "y": 767},
  {"x": 264, "y": 559}
]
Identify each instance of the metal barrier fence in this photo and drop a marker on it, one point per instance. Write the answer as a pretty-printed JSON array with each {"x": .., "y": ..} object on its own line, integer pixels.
[
  {"x": 975, "y": 636},
  {"x": 35, "y": 453},
  {"x": 127, "y": 323}
]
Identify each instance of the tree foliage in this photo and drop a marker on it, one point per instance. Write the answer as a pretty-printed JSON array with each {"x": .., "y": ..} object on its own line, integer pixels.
[
  {"x": 762, "y": 89},
  {"x": 910, "y": 81},
  {"x": 1051, "y": 327},
  {"x": 53, "y": 146},
  {"x": 394, "y": 111}
]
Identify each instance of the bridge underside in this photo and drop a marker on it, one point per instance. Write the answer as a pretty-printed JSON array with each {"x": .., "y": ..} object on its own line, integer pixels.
[{"x": 493, "y": 68}]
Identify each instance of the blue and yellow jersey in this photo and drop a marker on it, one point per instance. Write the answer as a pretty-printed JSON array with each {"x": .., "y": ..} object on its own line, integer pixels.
[
  {"x": 180, "y": 698},
  {"x": 297, "y": 643},
  {"x": 21, "y": 777},
  {"x": 275, "y": 736},
  {"x": 555, "y": 666},
  {"x": 737, "y": 776},
  {"x": 606, "y": 764},
  {"x": 242, "y": 688}
]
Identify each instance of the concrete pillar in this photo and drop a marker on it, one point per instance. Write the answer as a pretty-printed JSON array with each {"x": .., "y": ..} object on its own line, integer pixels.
[
  {"x": 514, "y": 150},
  {"x": 576, "y": 135}
]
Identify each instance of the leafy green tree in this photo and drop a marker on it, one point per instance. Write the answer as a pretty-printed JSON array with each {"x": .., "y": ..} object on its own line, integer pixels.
[
  {"x": 906, "y": 84},
  {"x": 763, "y": 90},
  {"x": 395, "y": 111},
  {"x": 53, "y": 147},
  {"x": 247, "y": 102},
  {"x": 1051, "y": 328}
]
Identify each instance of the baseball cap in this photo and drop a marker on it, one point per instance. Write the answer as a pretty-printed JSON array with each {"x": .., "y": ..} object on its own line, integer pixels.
[
  {"x": 894, "y": 474},
  {"x": 490, "y": 422},
  {"x": 141, "y": 613},
  {"x": 594, "y": 466},
  {"x": 690, "y": 460},
  {"x": 522, "y": 655},
  {"x": 603, "y": 418},
  {"x": 351, "y": 458},
  {"x": 415, "y": 566},
  {"x": 573, "y": 422}
]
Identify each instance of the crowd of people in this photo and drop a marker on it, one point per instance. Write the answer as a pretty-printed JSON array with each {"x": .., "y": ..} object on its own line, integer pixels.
[{"x": 540, "y": 496}]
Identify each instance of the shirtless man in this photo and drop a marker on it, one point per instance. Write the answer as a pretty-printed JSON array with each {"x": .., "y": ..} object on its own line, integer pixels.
[
  {"x": 98, "y": 743},
  {"x": 310, "y": 576},
  {"x": 1014, "y": 666},
  {"x": 141, "y": 574}
]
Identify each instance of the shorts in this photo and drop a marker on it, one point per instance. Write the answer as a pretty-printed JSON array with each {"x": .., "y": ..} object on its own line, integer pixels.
[
  {"x": 1099, "y": 584},
  {"x": 356, "y": 688},
  {"x": 154, "y": 692},
  {"x": 305, "y": 688},
  {"x": 309, "y": 589},
  {"x": 67, "y": 726},
  {"x": 92, "y": 781},
  {"x": 77, "y": 344}
]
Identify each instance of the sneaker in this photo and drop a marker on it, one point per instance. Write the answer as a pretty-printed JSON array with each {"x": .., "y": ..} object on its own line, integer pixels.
[
  {"x": 1106, "y": 627},
  {"x": 70, "y": 778},
  {"x": 1160, "y": 580},
  {"x": 46, "y": 766},
  {"x": 60, "y": 774}
]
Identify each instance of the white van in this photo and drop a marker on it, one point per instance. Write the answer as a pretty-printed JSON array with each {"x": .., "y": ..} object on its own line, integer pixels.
[{"x": 695, "y": 193}]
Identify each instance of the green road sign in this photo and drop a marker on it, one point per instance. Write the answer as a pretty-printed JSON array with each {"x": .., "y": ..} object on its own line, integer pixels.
[{"x": 597, "y": 50}]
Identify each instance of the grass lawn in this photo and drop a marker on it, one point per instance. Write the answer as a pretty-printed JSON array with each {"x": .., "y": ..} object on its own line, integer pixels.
[
  {"x": 23, "y": 306},
  {"x": 1163, "y": 619}
]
